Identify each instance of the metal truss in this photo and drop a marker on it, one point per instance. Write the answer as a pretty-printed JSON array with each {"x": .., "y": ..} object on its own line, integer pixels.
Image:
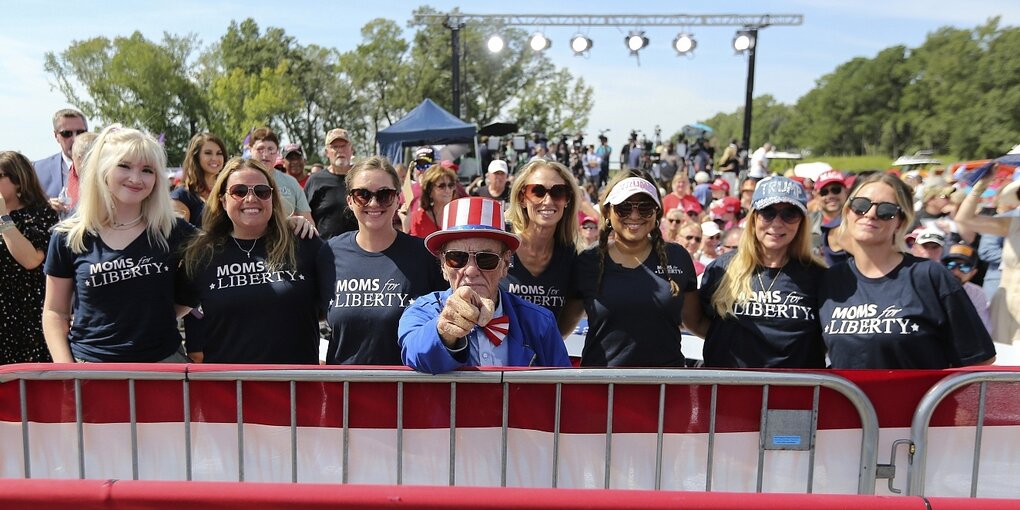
[{"x": 627, "y": 20}]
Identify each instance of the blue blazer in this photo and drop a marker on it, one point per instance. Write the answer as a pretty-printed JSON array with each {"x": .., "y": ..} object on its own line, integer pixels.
[
  {"x": 533, "y": 338},
  {"x": 51, "y": 174}
]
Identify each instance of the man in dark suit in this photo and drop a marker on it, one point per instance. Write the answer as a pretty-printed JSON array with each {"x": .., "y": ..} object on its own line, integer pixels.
[{"x": 53, "y": 171}]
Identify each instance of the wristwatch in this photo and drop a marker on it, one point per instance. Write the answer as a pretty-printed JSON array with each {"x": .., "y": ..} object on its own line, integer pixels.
[{"x": 6, "y": 223}]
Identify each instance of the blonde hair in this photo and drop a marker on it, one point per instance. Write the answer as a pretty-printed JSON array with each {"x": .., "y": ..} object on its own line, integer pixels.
[
  {"x": 217, "y": 226},
  {"x": 567, "y": 231},
  {"x": 605, "y": 227},
  {"x": 96, "y": 206},
  {"x": 904, "y": 199},
  {"x": 735, "y": 285}
]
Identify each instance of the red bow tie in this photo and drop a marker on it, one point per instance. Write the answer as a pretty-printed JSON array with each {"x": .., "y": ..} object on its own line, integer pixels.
[{"x": 497, "y": 329}]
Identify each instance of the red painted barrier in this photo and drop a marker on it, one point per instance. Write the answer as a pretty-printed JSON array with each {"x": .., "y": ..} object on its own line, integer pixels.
[{"x": 130, "y": 495}]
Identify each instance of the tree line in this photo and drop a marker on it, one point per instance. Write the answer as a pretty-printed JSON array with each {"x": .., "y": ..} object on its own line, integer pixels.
[
  {"x": 958, "y": 93},
  {"x": 252, "y": 77}
]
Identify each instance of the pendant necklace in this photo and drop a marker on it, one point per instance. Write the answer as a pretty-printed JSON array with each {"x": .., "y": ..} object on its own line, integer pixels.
[
  {"x": 774, "y": 280},
  {"x": 249, "y": 250},
  {"x": 126, "y": 225}
]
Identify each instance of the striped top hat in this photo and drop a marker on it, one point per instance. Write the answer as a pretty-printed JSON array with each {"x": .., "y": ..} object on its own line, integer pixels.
[{"x": 472, "y": 217}]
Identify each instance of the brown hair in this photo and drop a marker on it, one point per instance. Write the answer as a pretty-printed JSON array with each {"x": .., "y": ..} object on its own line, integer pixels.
[
  {"x": 19, "y": 170},
  {"x": 429, "y": 180},
  {"x": 194, "y": 178}
]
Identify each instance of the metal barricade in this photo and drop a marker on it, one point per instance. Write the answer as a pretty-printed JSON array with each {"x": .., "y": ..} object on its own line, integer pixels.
[
  {"x": 920, "y": 425},
  {"x": 555, "y": 377}
]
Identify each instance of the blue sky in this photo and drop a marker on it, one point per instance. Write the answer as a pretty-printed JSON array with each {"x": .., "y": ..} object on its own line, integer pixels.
[{"x": 665, "y": 89}]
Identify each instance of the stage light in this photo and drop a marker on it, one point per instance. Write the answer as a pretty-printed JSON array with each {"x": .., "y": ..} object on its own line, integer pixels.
[
  {"x": 635, "y": 41},
  {"x": 743, "y": 41},
  {"x": 539, "y": 42},
  {"x": 495, "y": 43},
  {"x": 580, "y": 44},
  {"x": 684, "y": 43}
]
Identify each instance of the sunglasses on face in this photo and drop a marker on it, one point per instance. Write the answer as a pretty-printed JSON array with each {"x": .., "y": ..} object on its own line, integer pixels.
[
  {"x": 485, "y": 260},
  {"x": 383, "y": 196},
  {"x": 241, "y": 191},
  {"x": 445, "y": 185},
  {"x": 644, "y": 208},
  {"x": 590, "y": 227},
  {"x": 693, "y": 238},
  {"x": 961, "y": 266},
  {"x": 675, "y": 220},
  {"x": 68, "y": 133},
  {"x": 830, "y": 190},
  {"x": 789, "y": 215},
  {"x": 537, "y": 192},
  {"x": 728, "y": 247},
  {"x": 883, "y": 210}
]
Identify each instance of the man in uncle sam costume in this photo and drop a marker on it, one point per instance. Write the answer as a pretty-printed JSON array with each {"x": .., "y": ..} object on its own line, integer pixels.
[{"x": 474, "y": 323}]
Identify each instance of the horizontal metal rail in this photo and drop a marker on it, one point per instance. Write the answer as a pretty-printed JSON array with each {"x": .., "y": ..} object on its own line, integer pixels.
[{"x": 625, "y": 20}]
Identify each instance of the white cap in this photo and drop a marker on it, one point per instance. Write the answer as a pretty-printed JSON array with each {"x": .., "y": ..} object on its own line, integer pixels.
[
  {"x": 710, "y": 229},
  {"x": 630, "y": 187},
  {"x": 498, "y": 165}
]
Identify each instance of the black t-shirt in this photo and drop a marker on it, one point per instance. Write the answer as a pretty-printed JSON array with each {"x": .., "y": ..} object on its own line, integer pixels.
[
  {"x": 552, "y": 287},
  {"x": 252, "y": 314},
  {"x": 194, "y": 203},
  {"x": 777, "y": 328},
  {"x": 917, "y": 316},
  {"x": 368, "y": 294},
  {"x": 123, "y": 299},
  {"x": 634, "y": 320},
  {"x": 483, "y": 191},
  {"x": 327, "y": 196}
]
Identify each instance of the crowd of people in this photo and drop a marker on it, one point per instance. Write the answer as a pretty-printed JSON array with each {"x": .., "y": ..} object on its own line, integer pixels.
[{"x": 103, "y": 260}]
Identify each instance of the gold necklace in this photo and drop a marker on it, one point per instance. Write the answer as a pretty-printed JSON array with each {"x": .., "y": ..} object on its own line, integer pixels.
[
  {"x": 774, "y": 280},
  {"x": 249, "y": 250}
]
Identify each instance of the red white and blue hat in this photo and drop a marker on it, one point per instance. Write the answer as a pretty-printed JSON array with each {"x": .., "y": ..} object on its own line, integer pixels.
[{"x": 472, "y": 217}]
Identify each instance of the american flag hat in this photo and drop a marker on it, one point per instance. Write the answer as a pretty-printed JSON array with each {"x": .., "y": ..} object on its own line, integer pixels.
[{"x": 472, "y": 217}]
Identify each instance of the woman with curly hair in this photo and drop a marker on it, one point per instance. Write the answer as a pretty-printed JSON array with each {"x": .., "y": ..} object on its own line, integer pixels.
[
  {"x": 203, "y": 161},
  {"x": 438, "y": 188},
  {"x": 638, "y": 289}
]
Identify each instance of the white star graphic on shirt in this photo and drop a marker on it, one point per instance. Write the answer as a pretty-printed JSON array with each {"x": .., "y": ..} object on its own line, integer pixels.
[
  {"x": 330, "y": 302},
  {"x": 212, "y": 286},
  {"x": 825, "y": 329},
  {"x": 88, "y": 283},
  {"x": 301, "y": 276},
  {"x": 913, "y": 327}
]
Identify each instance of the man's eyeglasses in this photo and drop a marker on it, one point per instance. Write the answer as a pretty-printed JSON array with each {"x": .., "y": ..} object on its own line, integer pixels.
[
  {"x": 645, "y": 208},
  {"x": 789, "y": 215},
  {"x": 830, "y": 190},
  {"x": 883, "y": 210},
  {"x": 383, "y": 196},
  {"x": 961, "y": 266},
  {"x": 485, "y": 260},
  {"x": 68, "y": 133},
  {"x": 241, "y": 191},
  {"x": 266, "y": 150},
  {"x": 693, "y": 238},
  {"x": 537, "y": 192},
  {"x": 728, "y": 247}
]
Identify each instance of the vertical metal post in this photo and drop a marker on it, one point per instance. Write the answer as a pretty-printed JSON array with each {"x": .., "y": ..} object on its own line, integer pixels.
[
  {"x": 609, "y": 434},
  {"x": 133, "y": 412},
  {"x": 78, "y": 418},
  {"x": 813, "y": 439},
  {"x": 556, "y": 435},
  {"x": 711, "y": 438},
  {"x": 658, "y": 437},
  {"x": 453, "y": 434},
  {"x": 400, "y": 433},
  {"x": 240, "y": 432},
  {"x": 293, "y": 431},
  {"x": 978, "y": 432},
  {"x": 25, "y": 450},
  {"x": 455, "y": 26},
  {"x": 345, "y": 454},
  {"x": 506, "y": 437},
  {"x": 761, "y": 436},
  {"x": 187, "y": 429},
  {"x": 749, "y": 95}
]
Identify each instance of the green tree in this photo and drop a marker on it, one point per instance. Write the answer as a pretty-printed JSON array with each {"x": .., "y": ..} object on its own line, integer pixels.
[{"x": 574, "y": 98}]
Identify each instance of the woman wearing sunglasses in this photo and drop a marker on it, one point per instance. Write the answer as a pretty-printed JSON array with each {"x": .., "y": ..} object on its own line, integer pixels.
[
  {"x": 116, "y": 259},
  {"x": 885, "y": 308},
  {"x": 637, "y": 288},
  {"x": 376, "y": 271},
  {"x": 543, "y": 212},
  {"x": 474, "y": 323},
  {"x": 761, "y": 300},
  {"x": 438, "y": 188},
  {"x": 257, "y": 285}
]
